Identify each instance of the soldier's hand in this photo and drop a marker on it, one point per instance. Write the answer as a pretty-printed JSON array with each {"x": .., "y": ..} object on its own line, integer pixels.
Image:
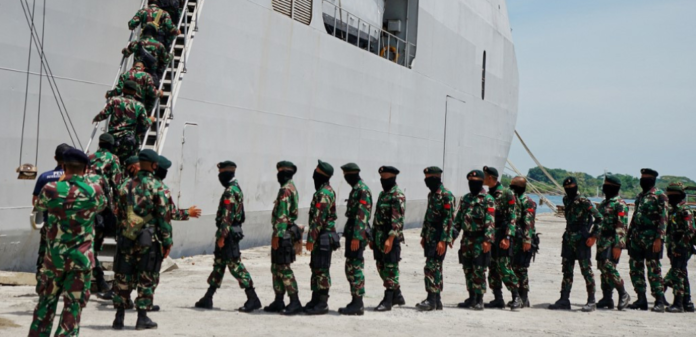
[
  {"x": 526, "y": 247},
  {"x": 310, "y": 246},
  {"x": 388, "y": 245},
  {"x": 657, "y": 245},
  {"x": 124, "y": 51},
  {"x": 275, "y": 242},
  {"x": 486, "y": 246},
  {"x": 372, "y": 245},
  {"x": 504, "y": 244},
  {"x": 441, "y": 247},
  {"x": 423, "y": 243},
  {"x": 616, "y": 251},
  {"x": 167, "y": 250},
  {"x": 194, "y": 212},
  {"x": 591, "y": 241},
  {"x": 451, "y": 244},
  {"x": 161, "y": 93},
  {"x": 152, "y": 118},
  {"x": 354, "y": 245},
  {"x": 106, "y": 95},
  {"x": 221, "y": 242}
]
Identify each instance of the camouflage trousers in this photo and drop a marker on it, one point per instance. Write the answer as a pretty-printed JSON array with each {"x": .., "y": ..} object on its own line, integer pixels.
[
  {"x": 501, "y": 272},
  {"x": 283, "y": 279},
  {"x": 637, "y": 272},
  {"x": 475, "y": 277},
  {"x": 433, "y": 275},
  {"x": 74, "y": 285},
  {"x": 522, "y": 274},
  {"x": 237, "y": 270},
  {"x": 389, "y": 273},
  {"x": 610, "y": 277},
  {"x": 321, "y": 279},
  {"x": 43, "y": 247},
  {"x": 678, "y": 280},
  {"x": 356, "y": 278},
  {"x": 585, "y": 269},
  {"x": 145, "y": 282}
]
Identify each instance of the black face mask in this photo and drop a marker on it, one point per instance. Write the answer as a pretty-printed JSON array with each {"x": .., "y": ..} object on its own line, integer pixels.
[
  {"x": 646, "y": 183},
  {"x": 225, "y": 177},
  {"x": 284, "y": 176},
  {"x": 571, "y": 192},
  {"x": 352, "y": 178},
  {"x": 319, "y": 179},
  {"x": 161, "y": 173},
  {"x": 433, "y": 183},
  {"x": 519, "y": 190},
  {"x": 388, "y": 184},
  {"x": 475, "y": 186},
  {"x": 675, "y": 199},
  {"x": 610, "y": 191}
]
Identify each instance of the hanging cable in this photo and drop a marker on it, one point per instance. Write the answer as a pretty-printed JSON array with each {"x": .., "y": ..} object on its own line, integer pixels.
[
  {"x": 38, "y": 115},
  {"x": 26, "y": 87}
]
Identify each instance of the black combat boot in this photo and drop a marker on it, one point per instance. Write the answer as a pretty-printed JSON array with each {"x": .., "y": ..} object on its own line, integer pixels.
[
  {"x": 439, "y": 301},
  {"x": 322, "y": 306},
  {"x": 294, "y": 307},
  {"x": 315, "y": 298},
  {"x": 624, "y": 297},
  {"x": 516, "y": 302},
  {"x": 386, "y": 304},
  {"x": 144, "y": 322},
  {"x": 118, "y": 321},
  {"x": 469, "y": 302},
  {"x": 688, "y": 305},
  {"x": 478, "y": 305},
  {"x": 355, "y": 307},
  {"x": 252, "y": 303},
  {"x": 641, "y": 303},
  {"x": 607, "y": 300},
  {"x": 429, "y": 304},
  {"x": 154, "y": 307},
  {"x": 524, "y": 297},
  {"x": 677, "y": 305},
  {"x": 591, "y": 305},
  {"x": 399, "y": 298},
  {"x": 497, "y": 301},
  {"x": 660, "y": 303},
  {"x": 207, "y": 301},
  {"x": 278, "y": 304},
  {"x": 563, "y": 303}
]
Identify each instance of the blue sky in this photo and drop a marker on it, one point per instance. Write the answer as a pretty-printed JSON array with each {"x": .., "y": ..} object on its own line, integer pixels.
[{"x": 606, "y": 84}]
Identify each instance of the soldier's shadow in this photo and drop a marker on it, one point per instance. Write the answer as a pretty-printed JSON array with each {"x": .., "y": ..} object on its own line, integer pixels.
[
  {"x": 105, "y": 327},
  {"x": 541, "y": 306}
]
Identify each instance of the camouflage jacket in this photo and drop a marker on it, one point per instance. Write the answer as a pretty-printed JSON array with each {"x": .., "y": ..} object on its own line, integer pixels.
[
  {"x": 230, "y": 210},
  {"x": 109, "y": 197},
  {"x": 437, "y": 223},
  {"x": 579, "y": 212},
  {"x": 681, "y": 228},
  {"x": 614, "y": 224},
  {"x": 149, "y": 14},
  {"x": 146, "y": 195},
  {"x": 285, "y": 209},
  {"x": 175, "y": 213},
  {"x": 146, "y": 85},
  {"x": 152, "y": 46},
  {"x": 505, "y": 213},
  {"x": 107, "y": 165},
  {"x": 71, "y": 205},
  {"x": 358, "y": 210},
  {"x": 476, "y": 214},
  {"x": 526, "y": 218},
  {"x": 650, "y": 214},
  {"x": 322, "y": 212},
  {"x": 128, "y": 116},
  {"x": 389, "y": 215}
]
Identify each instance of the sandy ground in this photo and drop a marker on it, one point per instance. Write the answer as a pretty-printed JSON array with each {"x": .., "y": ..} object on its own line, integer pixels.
[{"x": 181, "y": 288}]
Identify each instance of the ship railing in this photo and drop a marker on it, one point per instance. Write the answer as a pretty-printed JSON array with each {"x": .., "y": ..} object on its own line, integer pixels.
[{"x": 368, "y": 37}]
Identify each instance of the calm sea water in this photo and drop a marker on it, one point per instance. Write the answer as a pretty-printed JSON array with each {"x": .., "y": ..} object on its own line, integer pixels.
[{"x": 558, "y": 200}]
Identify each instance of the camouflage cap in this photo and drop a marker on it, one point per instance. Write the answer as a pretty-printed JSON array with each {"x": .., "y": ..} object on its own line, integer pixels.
[
  {"x": 570, "y": 181},
  {"x": 107, "y": 138},
  {"x": 132, "y": 160},
  {"x": 491, "y": 171},
  {"x": 676, "y": 187},
  {"x": 475, "y": 174},
  {"x": 164, "y": 163},
  {"x": 432, "y": 170},
  {"x": 75, "y": 156},
  {"x": 350, "y": 167},
  {"x": 226, "y": 164},
  {"x": 286, "y": 164},
  {"x": 649, "y": 172},
  {"x": 389, "y": 169},
  {"x": 325, "y": 167},
  {"x": 130, "y": 85},
  {"x": 60, "y": 149},
  {"x": 612, "y": 179},
  {"x": 148, "y": 156}
]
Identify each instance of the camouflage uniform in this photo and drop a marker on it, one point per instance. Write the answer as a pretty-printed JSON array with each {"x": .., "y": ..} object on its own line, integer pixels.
[
  {"x": 578, "y": 214},
  {"x": 154, "y": 48},
  {"x": 358, "y": 211},
  {"x": 525, "y": 232},
  {"x": 505, "y": 224},
  {"x": 389, "y": 221},
  {"x": 437, "y": 227},
  {"x": 322, "y": 219},
  {"x": 44, "y": 179},
  {"x": 681, "y": 231},
  {"x": 284, "y": 215},
  {"x": 610, "y": 233},
  {"x": 147, "y": 91},
  {"x": 476, "y": 220},
  {"x": 649, "y": 223},
  {"x": 128, "y": 121},
  {"x": 136, "y": 264},
  {"x": 71, "y": 205},
  {"x": 161, "y": 18}
]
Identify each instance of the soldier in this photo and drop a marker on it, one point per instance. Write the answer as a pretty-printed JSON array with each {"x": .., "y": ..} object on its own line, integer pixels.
[
  {"x": 150, "y": 52},
  {"x": 71, "y": 205},
  {"x": 127, "y": 121},
  {"x": 681, "y": 231},
  {"x": 229, "y": 220},
  {"x": 388, "y": 237},
  {"x": 436, "y": 234},
  {"x": 505, "y": 228},
  {"x": 476, "y": 219},
  {"x": 526, "y": 242},
  {"x": 645, "y": 235},
  {"x": 132, "y": 167},
  {"x": 147, "y": 91},
  {"x": 577, "y": 244},
  {"x": 286, "y": 235},
  {"x": 145, "y": 239},
  {"x": 162, "y": 19},
  {"x": 357, "y": 234},
  {"x": 322, "y": 238},
  {"x": 174, "y": 8},
  {"x": 610, "y": 236}
]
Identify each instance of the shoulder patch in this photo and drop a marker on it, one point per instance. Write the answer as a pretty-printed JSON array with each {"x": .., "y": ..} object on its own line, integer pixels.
[
  {"x": 491, "y": 210},
  {"x": 317, "y": 205},
  {"x": 448, "y": 206},
  {"x": 363, "y": 202},
  {"x": 227, "y": 201}
]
